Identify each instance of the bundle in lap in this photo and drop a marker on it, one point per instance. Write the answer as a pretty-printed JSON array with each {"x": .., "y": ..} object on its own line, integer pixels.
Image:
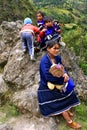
[
  {"x": 57, "y": 70},
  {"x": 65, "y": 88}
]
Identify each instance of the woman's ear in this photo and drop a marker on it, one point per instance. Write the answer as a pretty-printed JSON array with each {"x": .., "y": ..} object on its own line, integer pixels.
[{"x": 48, "y": 49}]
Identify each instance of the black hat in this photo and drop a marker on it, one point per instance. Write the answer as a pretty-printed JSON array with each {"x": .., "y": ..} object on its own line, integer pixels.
[{"x": 56, "y": 39}]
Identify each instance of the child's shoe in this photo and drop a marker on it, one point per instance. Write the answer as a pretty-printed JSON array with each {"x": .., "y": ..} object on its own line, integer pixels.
[
  {"x": 32, "y": 58},
  {"x": 62, "y": 43},
  {"x": 74, "y": 125},
  {"x": 49, "y": 37},
  {"x": 24, "y": 50}
]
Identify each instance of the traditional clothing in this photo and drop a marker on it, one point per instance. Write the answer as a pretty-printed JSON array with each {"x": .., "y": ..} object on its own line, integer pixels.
[
  {"x": 40, "y": 24},
  {"x": 53, "y": 102}
]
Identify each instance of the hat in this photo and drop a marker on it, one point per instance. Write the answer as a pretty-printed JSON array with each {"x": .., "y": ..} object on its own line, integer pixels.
[
  {"x": 53, "y": 39},
  {"x": 27, "y": 21},
  {"x": 56, "y": 36}
]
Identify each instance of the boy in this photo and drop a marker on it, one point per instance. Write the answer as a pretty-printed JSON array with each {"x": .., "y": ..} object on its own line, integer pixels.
[{"x": 49, "y": 31}]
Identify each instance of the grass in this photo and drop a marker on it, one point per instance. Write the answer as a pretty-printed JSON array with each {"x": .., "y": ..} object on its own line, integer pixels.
[
  {"x": 70, "y": 26},
  {"x": 7, "y": 111},
  {"x": 1, "y": 69},
  {"x": 80, "y": 117}
]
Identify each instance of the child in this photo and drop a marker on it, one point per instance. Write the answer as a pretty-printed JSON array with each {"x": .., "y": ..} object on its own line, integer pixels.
[
  {"x": 40, "y": 24},
  {"x": 50, "y": 31},
  {"x": 46, "y": 32},
  {"x": 57, "y": 26},
  {"x": 40, "y": 21},
  {"x": 27, "y": 35}
]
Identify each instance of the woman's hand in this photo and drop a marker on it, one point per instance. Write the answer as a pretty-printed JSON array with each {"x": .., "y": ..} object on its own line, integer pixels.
[{"x": 66, "y": 77}]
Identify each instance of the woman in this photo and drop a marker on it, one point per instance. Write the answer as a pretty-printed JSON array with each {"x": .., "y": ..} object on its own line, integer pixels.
[{"x": 54, "y": 101}]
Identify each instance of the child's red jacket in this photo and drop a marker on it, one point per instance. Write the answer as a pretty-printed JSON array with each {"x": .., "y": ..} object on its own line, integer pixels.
[{"x": 30, "y": 28}]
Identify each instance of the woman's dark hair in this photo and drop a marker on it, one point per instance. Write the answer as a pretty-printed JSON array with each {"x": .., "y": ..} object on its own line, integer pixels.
[{"x": 51, "y": 43}]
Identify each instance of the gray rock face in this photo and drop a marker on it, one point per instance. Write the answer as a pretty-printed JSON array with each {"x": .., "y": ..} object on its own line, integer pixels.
[
  {"x": 5, "y": 127},
  {"x": 35, "y": 124},
  {"x": 9, "y": 35},
  {"x": 19, "y": 69},
  {"x": 22, "y": 77},
  {"x": 71, "y": 63},
  {"x": 3, "y": 85},
  {"x": 26, "y": 100}
]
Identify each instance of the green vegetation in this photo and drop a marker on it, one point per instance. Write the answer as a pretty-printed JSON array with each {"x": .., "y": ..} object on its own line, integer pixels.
[
  {"x": 76, "y": 39},
  {"x": 70, "y": 13},
  {"x": 73, "y": 20},
  {"x": 1, "y": 69},
  {"x": 7, "y": 108},
  {"x": 80, "y": 117},
  {"x": 12, "y": 10},
  {"x": 7, "y": 111}
]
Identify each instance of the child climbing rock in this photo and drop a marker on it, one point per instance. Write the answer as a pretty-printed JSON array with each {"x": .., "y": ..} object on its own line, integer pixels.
[{"x": 27, "y": 33}]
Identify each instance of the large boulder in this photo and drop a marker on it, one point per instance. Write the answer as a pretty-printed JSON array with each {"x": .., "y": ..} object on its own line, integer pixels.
[
  {"x": 9, "y": 35},
  {"x": 21, "y": 76}
]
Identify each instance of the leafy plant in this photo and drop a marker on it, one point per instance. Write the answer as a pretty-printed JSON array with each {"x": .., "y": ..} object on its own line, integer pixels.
[{"x": 8, "y": 110}]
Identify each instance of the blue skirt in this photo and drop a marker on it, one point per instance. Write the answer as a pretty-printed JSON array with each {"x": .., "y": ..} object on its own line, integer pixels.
[{"x": 54, "y": 102}]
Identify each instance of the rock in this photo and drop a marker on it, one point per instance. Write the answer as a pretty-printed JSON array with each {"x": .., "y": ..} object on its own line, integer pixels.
[
  {"x": 3, "y": 85},
  {"x": 26, "y": 100},
  {"x": 35, "y": 123},
  {"x": 21, "y": 76},
  {"x": 9, "y": 35},
  {"x": 5, "y": 127},
  {"x": 20, "y": 71}
]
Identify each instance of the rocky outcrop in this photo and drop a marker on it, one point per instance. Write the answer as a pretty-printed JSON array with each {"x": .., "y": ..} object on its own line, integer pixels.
[
  {"x": 71, "y": 63},
  {"x": 3, "y": 85},
  {"x": 9, "y": 35},
  {"x": 35, "y": 123},
  {"x": 5, "y": 127},
  {"x": 21, "y": 76}
]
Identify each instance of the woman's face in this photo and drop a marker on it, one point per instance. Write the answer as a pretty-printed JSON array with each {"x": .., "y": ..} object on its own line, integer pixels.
[{"x": 54, "y": 50}]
